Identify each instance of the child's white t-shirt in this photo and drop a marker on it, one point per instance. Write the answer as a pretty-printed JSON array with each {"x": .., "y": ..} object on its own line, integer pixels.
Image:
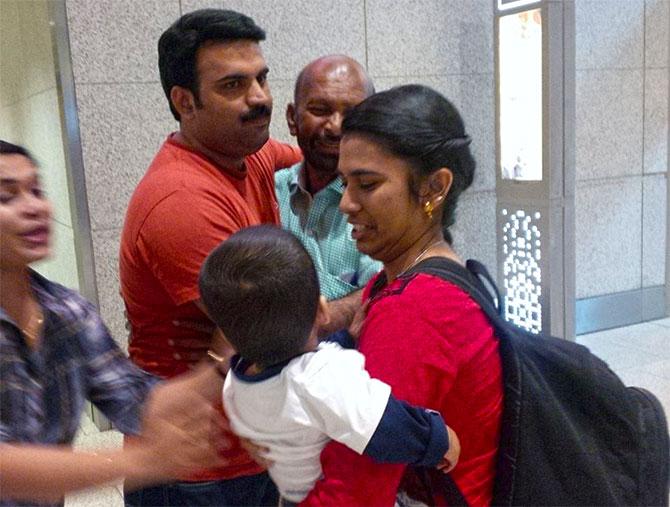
[{"x": 294, "y": 412}]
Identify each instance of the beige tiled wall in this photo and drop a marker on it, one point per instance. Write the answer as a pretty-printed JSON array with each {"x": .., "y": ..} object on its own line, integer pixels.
[
  {"x": 608, "y": 235},
  {"x": 621, "y": 144},
  {"x": 654, "y": 206}
]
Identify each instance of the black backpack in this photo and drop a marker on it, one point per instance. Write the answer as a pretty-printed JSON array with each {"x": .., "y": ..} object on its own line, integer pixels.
[{"x": 572, "y": 433}]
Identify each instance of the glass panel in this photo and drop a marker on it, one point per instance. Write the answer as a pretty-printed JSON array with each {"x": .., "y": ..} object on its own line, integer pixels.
[{"x": 520, "y": 61}]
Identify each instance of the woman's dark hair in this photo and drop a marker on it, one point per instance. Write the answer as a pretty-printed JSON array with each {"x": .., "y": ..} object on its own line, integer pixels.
[
  {"x": 419, "y": 125},
  {"x": 14, "y": 149},
  {"x": 260, "y": 287},
  {"x": 179, "y": 44}
]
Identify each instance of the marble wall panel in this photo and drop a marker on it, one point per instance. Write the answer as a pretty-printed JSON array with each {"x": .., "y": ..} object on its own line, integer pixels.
[
  {"x": 474, "y": 232},
  {"x": 608, "y": 123},
  {"x": 429, "y": 37},
  {"x": 656, "y": 120},
  {"x": 106, "y": 254},
  {"x": 608, "y": 236},
  {"x": 115, "y": 41},
  {"x": 122, "y": 128},
  {"x": 657, "y": 26},
  {"x": 654, "y": 229},
  {"x": 609, "y": 34},
  {"x": 300, "y": 30}
]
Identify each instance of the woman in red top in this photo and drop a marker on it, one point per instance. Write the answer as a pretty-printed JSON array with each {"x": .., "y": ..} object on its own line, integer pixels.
[{"x": 404, "y": 159}]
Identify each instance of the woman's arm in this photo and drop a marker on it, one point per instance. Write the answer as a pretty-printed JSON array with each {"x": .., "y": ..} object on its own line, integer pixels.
[
  {"x": 40, "y": 473},
  {"x": 182, "y": 436}
]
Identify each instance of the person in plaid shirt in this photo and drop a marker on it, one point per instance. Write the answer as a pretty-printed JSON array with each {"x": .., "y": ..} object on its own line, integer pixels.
[
  {"x": 55, "y": 353},
  {"x": 309, "y": 192}
]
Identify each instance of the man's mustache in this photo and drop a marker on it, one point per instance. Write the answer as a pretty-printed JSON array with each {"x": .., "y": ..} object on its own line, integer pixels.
[{"x": 256, "y": 112}]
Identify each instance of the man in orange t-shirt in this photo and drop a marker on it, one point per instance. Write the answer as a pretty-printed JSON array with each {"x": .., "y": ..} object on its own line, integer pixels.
[{"x": 211, "y": 178}]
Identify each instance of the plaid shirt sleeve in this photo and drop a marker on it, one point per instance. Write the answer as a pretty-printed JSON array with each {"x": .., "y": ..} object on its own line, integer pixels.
[{"x": 115, "y": 385}]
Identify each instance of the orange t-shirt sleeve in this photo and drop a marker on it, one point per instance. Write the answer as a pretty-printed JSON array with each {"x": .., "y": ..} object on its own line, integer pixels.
[
  {"x": 177, "y": 236},
  {"x": 285, "y": 155}
]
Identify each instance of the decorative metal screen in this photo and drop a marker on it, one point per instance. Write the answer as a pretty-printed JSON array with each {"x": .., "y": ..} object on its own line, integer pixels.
[
  {"x": 522, "y": 273},
  {"x": 534, "y": 60}
]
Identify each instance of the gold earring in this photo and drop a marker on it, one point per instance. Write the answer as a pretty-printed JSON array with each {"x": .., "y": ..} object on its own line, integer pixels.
[{"x": 428, "y": 209}]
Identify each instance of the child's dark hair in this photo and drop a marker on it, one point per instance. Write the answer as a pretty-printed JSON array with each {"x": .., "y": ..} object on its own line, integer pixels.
[{"x": 260, "y": 287}]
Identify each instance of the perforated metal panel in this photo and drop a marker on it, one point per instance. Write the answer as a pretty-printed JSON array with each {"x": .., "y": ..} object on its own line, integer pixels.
[{"x": 522, "y": 271}]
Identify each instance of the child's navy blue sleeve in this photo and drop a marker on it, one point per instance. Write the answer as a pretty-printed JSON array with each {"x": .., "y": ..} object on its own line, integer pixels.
[
  {"x": 343, "y": 338},
  {"x": 409, "y": 435}
]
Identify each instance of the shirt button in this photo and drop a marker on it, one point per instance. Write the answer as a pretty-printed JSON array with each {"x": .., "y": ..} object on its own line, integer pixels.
[
  {"x": 171, "y": 342},
  {"x": 176, "y": 356}
]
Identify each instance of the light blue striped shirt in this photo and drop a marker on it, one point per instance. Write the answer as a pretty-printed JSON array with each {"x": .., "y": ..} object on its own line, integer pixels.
[{"x": 323, "y": 229}]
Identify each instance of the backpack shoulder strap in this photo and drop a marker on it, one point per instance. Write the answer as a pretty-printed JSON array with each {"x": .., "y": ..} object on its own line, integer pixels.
[{"x": 473, "y": 279}]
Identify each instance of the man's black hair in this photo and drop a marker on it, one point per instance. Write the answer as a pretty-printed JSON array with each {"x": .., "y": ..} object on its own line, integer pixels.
[{"x": 179, "y": 44}]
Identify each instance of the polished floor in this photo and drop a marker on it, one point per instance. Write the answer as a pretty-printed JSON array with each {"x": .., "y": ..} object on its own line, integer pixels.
[{"x": 639, "y": 354}]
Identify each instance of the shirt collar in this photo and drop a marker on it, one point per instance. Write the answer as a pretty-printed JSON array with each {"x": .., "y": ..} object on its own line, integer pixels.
[
  {"x": 297, "y": 182},
  {"x": 239, "y": 365}
]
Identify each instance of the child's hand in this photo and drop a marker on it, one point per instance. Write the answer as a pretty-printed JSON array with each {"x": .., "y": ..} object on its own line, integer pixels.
[
  {"x": 257, "y": 452},
  {"x": 450, "y": 459}
]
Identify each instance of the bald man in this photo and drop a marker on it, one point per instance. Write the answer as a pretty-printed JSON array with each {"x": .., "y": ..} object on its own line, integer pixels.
[{"x": 310, "y": 191}]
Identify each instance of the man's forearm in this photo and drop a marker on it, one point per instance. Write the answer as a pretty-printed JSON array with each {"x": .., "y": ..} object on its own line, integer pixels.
[{"x": 341, "y": 312}]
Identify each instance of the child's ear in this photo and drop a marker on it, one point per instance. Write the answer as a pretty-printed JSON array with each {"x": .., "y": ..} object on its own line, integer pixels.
[{"x": 322, "y": 313}]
